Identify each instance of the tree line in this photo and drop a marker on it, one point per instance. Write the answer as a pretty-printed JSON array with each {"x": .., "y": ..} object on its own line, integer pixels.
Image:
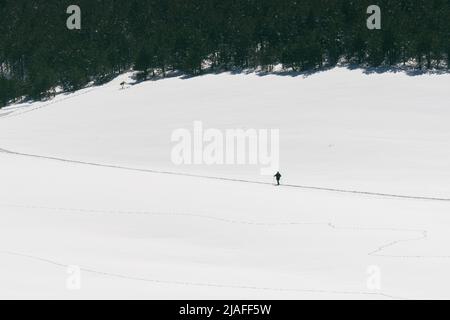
[{"x": 38, "y": 53}]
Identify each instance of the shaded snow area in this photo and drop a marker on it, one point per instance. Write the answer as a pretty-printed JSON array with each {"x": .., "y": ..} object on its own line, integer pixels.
[{"x": 92, "y": 205}]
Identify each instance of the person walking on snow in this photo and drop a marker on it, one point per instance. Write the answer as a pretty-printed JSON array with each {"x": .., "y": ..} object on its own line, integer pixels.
[{"x": 278, "y": 177}]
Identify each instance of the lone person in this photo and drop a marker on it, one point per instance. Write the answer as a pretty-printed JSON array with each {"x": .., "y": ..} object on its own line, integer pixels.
[
  {"x": 122, "y": 84},
  {"x": 278, "y": 177}
]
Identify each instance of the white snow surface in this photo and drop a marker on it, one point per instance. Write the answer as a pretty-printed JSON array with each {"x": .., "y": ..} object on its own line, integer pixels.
[{"x": 86, "y": 179}]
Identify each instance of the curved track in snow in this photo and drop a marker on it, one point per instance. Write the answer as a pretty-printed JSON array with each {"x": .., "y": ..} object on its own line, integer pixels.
[
  {"x": 220, "y": 220},
  {"x": 377, "y": 252},
  {"x": 201, "y": 284},
  {"x": 423, "y": 234}
]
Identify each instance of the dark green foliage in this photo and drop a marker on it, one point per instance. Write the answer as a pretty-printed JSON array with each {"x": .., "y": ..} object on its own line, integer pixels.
[{"x": 38, "y": 52}]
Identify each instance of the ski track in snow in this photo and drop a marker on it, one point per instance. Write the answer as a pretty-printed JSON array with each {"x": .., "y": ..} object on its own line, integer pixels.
[
  {"x": 6, "y": 114},
  {"x": 19, "y": 112},
  {"x": 368, "y": 193}
]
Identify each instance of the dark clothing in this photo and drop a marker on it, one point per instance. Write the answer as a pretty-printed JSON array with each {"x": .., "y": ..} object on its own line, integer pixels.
[{"x": 278, "y": 177}]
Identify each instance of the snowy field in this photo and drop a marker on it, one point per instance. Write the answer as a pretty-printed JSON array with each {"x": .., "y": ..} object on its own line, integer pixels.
[{"x": 86, "y": 180}]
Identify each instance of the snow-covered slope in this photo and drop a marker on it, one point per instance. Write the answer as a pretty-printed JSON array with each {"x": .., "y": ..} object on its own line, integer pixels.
[{"x": 143, "y": 234}]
